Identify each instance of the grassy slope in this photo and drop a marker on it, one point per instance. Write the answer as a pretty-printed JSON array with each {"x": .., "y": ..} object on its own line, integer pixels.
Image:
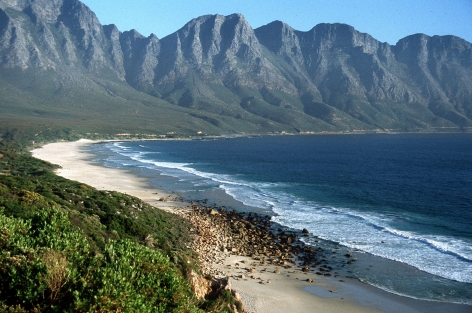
[
  {"x": 44, "y": 100},
  {"x": 112, "y": 225}
]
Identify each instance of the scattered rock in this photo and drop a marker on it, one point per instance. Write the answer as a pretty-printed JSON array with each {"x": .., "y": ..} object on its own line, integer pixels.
[
  {"x": 236, "y": 296},
  {"x": 200, "y": 286},
  {"x": 216, "y": 233}
]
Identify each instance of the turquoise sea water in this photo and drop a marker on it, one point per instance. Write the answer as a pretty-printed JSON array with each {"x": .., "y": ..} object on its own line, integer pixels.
[{"x": 402, "y": 204}]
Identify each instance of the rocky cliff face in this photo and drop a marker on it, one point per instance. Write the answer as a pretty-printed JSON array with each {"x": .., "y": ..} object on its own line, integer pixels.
[
  {"x": 329, "y": 78},
  {"x": 43, "y": 33}
]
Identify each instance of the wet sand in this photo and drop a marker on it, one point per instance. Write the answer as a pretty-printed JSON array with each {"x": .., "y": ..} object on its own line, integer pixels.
[{"x": 263, "y": 290}]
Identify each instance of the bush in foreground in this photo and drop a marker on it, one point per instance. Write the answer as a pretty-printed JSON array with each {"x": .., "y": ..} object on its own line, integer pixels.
[{"x": 47, "y": 265}]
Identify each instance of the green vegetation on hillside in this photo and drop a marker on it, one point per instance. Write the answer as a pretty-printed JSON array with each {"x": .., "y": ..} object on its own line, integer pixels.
[
  {"x": 67, "y": 247},
  {"x": 47, "y": 265}
]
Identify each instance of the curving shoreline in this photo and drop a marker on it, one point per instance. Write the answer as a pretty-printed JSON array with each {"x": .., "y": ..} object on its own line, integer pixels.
[{"x": 262, "y": 288}]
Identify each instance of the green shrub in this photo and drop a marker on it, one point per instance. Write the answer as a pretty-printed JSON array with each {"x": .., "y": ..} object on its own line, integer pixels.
[
  {"x": 136, "y": 279},
  {"x": 47, "y": 265},
  {"x": 34, "y": 253}
]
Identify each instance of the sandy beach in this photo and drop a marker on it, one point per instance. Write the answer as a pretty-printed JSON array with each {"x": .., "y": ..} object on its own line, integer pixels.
[{"x": 267, "y": 289}]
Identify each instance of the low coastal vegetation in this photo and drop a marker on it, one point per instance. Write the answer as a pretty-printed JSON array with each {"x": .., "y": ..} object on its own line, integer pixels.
[{"x": 67, "y": 247}]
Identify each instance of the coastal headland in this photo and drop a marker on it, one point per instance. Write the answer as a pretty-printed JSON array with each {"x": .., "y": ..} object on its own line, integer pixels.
[{"x": 270, "y": 269}]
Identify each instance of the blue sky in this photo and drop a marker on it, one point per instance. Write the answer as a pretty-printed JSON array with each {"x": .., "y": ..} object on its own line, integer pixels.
[{"x": 386, "y": 20}]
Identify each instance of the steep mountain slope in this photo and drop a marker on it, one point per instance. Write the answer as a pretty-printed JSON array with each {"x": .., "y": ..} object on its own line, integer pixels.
[{"x": 216, "y": 74}]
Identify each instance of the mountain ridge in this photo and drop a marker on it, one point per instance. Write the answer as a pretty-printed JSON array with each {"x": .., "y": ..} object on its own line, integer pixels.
[{"x": 226, "y": 76}]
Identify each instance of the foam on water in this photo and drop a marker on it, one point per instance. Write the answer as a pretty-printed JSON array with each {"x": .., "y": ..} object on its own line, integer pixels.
[
  {"x": 375, "y": 233},
  {"x": 439, "y": 255}
]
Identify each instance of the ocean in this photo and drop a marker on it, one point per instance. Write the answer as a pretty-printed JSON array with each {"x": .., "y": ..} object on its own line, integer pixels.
[{"x": 400, "y": 204}]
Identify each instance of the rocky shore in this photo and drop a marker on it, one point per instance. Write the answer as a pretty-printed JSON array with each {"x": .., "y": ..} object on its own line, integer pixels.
[
  {"x": 218, "y": 234},
  {"x": 239, "y": 247}
]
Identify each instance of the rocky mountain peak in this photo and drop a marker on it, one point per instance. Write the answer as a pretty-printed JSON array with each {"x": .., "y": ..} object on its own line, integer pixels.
[
  {"x": 79, "y": 17},
  {"x": 111, "y": 31},
  {"x": 331, "y": 76},
  {"x": 340, "y": 36},
  {"x": 210, "y": 36},
  {"x": 280, "y": 38}
]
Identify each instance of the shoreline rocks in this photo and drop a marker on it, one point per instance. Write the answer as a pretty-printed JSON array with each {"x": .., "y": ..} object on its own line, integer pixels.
[
  {"x": 218, "y": 234},
  {"x": 233, "y": 245}
]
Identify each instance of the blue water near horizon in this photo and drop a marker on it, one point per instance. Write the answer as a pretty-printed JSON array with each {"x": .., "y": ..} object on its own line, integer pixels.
[{"x": 405, "y": 198}]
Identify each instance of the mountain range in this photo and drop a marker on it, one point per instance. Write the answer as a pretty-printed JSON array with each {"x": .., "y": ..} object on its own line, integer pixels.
[{"x": 59, "y": 66}]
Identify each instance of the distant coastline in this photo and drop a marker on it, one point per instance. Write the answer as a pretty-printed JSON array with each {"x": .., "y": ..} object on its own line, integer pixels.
[{"x": 148, "y": 137}]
